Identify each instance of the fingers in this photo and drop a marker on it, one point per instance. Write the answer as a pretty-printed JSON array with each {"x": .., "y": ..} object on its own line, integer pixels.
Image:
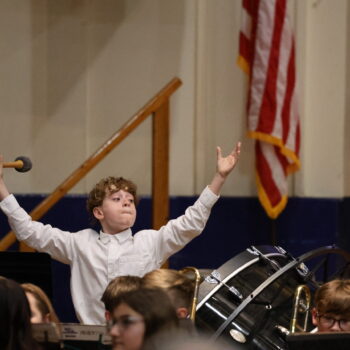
[
  {"x": 235, "y": 152},
  {"x": 237, "y": 149},
  {"x": 218, "y": 152}
]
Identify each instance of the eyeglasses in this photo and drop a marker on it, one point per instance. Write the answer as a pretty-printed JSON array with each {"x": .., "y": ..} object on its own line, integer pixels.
[
  {"x": 123, "y": 322},
  {"x": 328, "y": 322}
]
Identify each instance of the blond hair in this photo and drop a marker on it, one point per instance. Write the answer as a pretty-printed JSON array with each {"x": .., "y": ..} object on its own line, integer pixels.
[{"x": 179, "y": 287}]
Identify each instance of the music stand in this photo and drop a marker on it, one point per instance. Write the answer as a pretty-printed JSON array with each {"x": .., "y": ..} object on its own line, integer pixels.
[
  {"x": 47, "y": 335},
  {"x": 25, "y": 267},
  {"x": 85, "y": 337},
  {"x": 319, "y": 341}
]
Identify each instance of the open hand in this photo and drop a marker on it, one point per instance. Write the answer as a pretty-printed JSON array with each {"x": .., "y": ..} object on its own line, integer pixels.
[{"x": 226, "y": 164}]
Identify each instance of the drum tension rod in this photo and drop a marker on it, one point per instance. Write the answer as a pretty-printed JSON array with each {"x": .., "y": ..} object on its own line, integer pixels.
[
  {"x": 267, "y": 305},
  {"x": 263, "y": 258},
  {"x": 232, "y": 289}
]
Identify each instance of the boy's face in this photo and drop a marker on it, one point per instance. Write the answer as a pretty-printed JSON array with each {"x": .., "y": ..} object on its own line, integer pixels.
[
  {"x": 117, "y": 212},
  {"x": 329, "y": 322}
]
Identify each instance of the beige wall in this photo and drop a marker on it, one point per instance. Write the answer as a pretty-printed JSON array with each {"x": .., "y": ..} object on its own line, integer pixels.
[
  {"x": 322, "y": 38},
  {"x": 346, "y": 132},
  {"x": 73, "y": 71}
]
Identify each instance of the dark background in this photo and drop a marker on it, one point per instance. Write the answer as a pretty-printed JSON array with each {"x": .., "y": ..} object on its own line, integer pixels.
[{"x": 235, "y": 224}]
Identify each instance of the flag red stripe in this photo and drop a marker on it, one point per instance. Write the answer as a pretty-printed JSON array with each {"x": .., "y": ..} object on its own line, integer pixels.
[
  {"x": 273, "y": 118},
  {"x": 246, "y": 4},
  {"x": 266, "y": 178},
  {"x": 251, "y": 6},
  {"x": 245, "y": 48},
  {"x": 269, "y": 105},
  {"x": 254, "y": 14}
]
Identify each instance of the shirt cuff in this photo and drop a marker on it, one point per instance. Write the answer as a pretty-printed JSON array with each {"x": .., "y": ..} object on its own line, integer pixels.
[
  {"x": 208, "y": 197},
  {"x": 9, "y": 204}
]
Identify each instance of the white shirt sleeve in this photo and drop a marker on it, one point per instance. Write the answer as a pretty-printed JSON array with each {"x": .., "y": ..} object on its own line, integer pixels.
[
  {"x": 43, "y": 238},
  {"x": 173, "y": 236}
]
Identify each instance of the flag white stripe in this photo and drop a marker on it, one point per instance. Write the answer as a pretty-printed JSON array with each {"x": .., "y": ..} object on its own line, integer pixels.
[
  {"x": 282, "y": 82},
  {"x": 275, "y": 166},
  {"x": 246, "y": 27},
  {"x": 274, "y": 185},
  {"x": 261, "y": 59}
]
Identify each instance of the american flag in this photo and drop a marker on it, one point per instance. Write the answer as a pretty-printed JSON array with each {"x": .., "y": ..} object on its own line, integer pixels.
[{"x": 267, "y": 55}]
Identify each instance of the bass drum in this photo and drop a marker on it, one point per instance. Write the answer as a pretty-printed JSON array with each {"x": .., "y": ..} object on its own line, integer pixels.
[{"x": 248, "y": 301}]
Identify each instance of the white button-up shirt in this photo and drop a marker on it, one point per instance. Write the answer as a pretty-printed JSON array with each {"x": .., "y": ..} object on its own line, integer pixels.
[{"x": 96, "y": 259}]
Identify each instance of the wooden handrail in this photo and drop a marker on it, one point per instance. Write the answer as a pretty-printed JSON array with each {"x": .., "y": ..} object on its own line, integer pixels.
[
  {"x": 160, "y": 166},
  {"x": 154, "y": 107}
]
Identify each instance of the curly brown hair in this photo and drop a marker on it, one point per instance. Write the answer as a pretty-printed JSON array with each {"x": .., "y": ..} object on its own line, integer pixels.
[{"x": 106, "y": 187}]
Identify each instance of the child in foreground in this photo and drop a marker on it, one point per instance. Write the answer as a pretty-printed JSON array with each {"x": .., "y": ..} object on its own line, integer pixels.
[{"x": 95, "y": 258}]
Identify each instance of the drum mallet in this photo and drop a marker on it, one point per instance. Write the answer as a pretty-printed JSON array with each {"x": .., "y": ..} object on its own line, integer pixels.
[{"x": 21, "y": 164}]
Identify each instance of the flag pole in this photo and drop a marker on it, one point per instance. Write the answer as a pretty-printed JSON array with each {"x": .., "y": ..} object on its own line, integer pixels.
[{"x": 273, "y": 232}]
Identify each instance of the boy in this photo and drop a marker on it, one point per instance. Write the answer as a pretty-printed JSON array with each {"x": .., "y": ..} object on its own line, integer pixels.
[
  {"x": 332, "y": 307},
  {"x": 96, "y": 258}
]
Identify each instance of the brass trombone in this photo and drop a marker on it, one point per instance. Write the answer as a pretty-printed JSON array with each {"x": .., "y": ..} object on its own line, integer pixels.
[
  {"x": 197, "y": 281},
  {"x": 301, "y": 305}
]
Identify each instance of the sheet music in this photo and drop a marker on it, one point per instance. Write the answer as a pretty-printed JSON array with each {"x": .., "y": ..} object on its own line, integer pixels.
[{"x": 50, "y": 332}]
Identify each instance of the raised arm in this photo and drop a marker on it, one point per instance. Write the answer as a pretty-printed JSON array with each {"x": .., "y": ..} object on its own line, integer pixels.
[
  {"x": 224, "y": 166},
  {"x": 3, "y": 189},
  {"x": 178, "y": 232},
  {"x": 44, "y": 238}
]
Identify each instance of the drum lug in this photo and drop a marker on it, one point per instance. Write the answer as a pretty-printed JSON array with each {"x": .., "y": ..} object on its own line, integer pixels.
[
  {"x": 263, "y": 258},
  {"x": 214, "y": 277},
  {"x": 302, "y": 269},
  {"x": 253, "y": 250},
  {"x": 281, "y": 250}
]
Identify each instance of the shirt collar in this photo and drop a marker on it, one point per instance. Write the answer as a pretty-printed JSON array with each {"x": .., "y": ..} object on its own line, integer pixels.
[{"x": 121, "y": 237}]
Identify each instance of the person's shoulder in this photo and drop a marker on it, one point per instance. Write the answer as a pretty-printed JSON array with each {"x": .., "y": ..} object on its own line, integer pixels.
[
  {"x": 145, "y": 234},
  {"x": 87, "y": 233}
]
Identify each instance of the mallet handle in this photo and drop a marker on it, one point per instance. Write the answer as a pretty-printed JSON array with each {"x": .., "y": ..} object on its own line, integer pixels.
[{"x": 18, "y": 164}]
